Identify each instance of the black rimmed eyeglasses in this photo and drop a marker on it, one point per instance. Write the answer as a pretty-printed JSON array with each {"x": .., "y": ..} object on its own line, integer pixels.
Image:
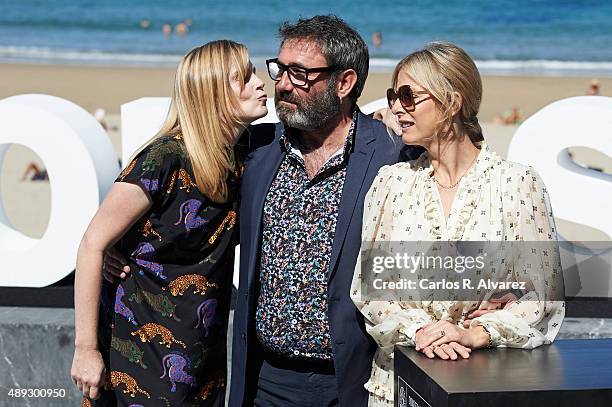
[{"x": 298, "y": 75}]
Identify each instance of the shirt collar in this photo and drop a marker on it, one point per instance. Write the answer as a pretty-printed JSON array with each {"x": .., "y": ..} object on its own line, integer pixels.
[{"x": 287, "y": 139}]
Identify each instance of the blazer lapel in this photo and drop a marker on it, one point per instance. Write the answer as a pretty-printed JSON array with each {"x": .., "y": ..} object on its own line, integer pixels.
[
  {"x": 263, "y": 168},
  {"x": 359, "y": 162}
]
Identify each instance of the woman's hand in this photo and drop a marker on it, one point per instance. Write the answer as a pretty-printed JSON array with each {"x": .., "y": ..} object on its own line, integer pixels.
[
  {"x": 386, "y": 116},
  {"x": 442, "y": 332},
  {"x": 88, "y": 371},
  {"x": 492, "y": 305},
  {"x": 438, "y": 333},
  {"x": 123, "y": 206},
  {"x": 447, "y": 351}
]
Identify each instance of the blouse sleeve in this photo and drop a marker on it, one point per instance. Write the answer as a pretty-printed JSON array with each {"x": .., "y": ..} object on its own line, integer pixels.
[
  {"x": 536, "y": 318},
  {"x": 389, "y": 322},
  {"x": 155, "y": 169}
]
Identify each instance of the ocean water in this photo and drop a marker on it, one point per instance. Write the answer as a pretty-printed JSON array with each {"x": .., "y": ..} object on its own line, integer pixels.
[{"x": 505, "y": 36}]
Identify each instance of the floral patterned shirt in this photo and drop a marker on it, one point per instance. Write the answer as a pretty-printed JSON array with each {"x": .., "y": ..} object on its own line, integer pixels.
[{"x": 299, "y": 223}]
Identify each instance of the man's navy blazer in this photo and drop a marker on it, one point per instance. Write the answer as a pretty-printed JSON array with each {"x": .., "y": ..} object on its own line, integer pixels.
[{"x": 352, "y": 347}]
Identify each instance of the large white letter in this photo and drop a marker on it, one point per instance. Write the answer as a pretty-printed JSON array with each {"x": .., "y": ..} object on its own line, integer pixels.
[
  {"x": 82, "y": 166},
  {"x": 577, "y": 194}
]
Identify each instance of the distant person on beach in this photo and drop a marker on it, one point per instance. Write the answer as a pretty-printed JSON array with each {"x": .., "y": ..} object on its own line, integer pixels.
[
  {"x": 593, "y": 89},
  {"x": 159, "y": 334},
  {"x": 100, "y": 115},
  {"x": 145, "y": 24},
  {"x": 510, "y": 117},
  {"x": 34, "y": 173},
  {"x": 167, "y": 30},
  {"x": 457, "y": 190},
  {"x": 181, "y": 29},
  {"x": 188, "y": 22},
  {"x": 377, "y": 39}
]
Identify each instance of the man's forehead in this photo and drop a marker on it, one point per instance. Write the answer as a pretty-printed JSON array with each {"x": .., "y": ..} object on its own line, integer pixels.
[{"x": 301, "y": 52}]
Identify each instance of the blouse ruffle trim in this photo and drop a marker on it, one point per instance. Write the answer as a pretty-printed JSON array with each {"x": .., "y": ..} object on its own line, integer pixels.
[
  {"x": 381, "y": 383},
  {"x": 467, "y": 196}
]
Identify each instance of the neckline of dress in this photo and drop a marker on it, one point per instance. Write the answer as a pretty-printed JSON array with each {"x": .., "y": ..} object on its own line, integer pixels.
[{"x": 452, "y": 228}]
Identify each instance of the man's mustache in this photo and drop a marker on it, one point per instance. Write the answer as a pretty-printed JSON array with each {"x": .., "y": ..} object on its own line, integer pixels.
[{"x": 287, "y": 97}]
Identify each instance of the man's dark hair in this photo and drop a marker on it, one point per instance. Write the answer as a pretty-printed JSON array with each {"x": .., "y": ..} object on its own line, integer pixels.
[{"x": 340, "y": 44}]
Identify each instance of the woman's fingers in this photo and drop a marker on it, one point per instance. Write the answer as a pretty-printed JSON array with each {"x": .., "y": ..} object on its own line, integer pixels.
[
  {"x": 484, "y": 308},
  {"x": 443, "y": 340},
  {"x": 480, "y": 312},
  {"x": 85, "y": 389},
  {"x": 493, "y": 304},
  {"x": 427, "y": 338},
  {"x": 90, "y": 388},
  {"x": 432, "y": 327},
  {"x": 445, "y": 333},
  {"x": 463, "y": 351},
  {"x": 438, "y": 334},
  {"x": 94, "y": 393},
  {"x": 449, "y": 351},
  {"x": 87, "y": 372},
  {"x": 425, "y": 326},
  {"x": 504, "y": 300},
  {"x": 440, "y": 352},
  {"x": 433, "y": 330}
]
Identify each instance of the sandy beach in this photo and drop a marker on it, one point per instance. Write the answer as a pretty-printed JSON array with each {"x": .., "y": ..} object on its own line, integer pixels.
[
  {"x": 27, "y": 203},
  {"x": 108, "y": 88}
]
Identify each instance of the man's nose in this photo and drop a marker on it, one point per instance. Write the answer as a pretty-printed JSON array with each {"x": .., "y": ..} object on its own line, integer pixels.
[{"x": 284, "y": 83}]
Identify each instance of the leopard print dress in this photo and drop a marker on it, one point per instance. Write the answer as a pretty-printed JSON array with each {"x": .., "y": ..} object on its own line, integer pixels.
[{"x": 163, "y": 330}]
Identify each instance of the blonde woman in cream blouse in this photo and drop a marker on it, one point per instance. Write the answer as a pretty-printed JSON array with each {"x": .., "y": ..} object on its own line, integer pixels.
[{"x": 457, "y": 190}]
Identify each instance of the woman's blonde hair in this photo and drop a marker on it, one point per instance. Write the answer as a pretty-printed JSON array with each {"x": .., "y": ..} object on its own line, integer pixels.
[
  {"x": 206, "y": 112},
  {"x": 442, "y": 69}
]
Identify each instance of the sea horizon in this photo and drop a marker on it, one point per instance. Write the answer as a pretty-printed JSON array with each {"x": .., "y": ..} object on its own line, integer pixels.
[
  {"x": 505, "y": 37},
  {"x": 47, "y": 56}
]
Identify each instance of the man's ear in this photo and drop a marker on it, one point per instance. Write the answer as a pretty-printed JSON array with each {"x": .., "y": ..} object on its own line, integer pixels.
[{"x": 346, "y": 82}]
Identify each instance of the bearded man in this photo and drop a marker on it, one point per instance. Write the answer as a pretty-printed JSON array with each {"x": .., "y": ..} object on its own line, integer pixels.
[{"x": 298, "y": 338}]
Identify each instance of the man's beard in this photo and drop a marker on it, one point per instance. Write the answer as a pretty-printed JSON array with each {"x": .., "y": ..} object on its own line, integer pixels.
[{"x": 310, "y": 113}]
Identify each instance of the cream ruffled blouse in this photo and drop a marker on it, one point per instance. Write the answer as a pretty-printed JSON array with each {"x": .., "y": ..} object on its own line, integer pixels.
[{"x": 496, "y": 200}]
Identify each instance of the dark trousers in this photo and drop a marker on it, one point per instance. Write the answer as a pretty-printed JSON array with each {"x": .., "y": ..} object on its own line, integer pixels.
[{"x": 290, "y": 382}]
